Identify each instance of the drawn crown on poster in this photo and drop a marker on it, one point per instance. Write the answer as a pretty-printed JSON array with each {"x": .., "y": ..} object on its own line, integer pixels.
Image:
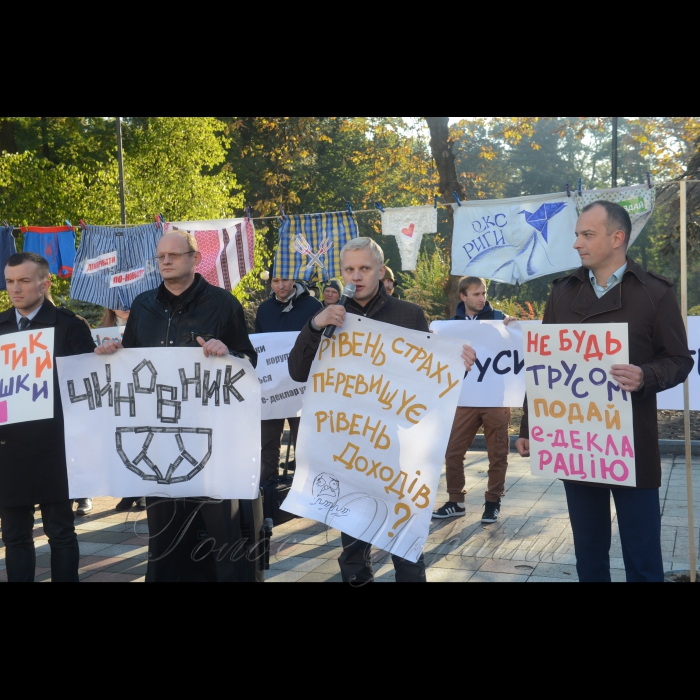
[
  {"x": 157, "y": 475},
  {"x": 303, "y": 247}
]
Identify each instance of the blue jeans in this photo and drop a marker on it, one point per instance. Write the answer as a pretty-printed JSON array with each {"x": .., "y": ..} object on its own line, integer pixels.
[
  {"x": 639, "y": 518},
  {"x": 59, "y": 526}
]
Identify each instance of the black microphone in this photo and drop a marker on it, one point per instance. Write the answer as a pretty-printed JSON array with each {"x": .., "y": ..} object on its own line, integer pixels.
[{"x": 348, "y": 294}]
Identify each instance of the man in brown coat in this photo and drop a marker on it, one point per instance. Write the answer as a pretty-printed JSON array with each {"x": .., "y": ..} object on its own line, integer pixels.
[
  {"x": 363, "y": 265},
  {"x": 612, "y": 288}
]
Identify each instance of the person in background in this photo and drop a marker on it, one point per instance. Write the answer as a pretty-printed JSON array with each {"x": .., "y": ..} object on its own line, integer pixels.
[
  {"x": 332, "y": 293},
  {"x": 287, "y": 310},
  {"x": 610, "y": 287},
  {"x": 114, "y": 318},
  {"x": 363, "y": 265},
  {"x": 389, "y": 282},
  {"x": 33, "y": 454},
  {"x": 468, "y": 421}
]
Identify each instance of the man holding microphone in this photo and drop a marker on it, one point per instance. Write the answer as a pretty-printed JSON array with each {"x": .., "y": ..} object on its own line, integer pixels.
[{"x": 362, "y": 262}]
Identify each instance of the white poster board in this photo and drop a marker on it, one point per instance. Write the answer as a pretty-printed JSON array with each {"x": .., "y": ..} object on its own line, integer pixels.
[
  {"x": 378, "y": 413},
  {"x": 673, "y": 399},
  {"x": 498, "y": 377},
  {"x": 102, "y": 335},
  {"x": 26, "y": 376},
  {"x": 161, "y": 422},
  {"x": 581, "y": 426},
  {"x": 282, "y": 397}
]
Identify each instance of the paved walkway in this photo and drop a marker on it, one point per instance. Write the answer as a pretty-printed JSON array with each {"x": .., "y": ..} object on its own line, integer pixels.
[{"x": 531, "y": 544}]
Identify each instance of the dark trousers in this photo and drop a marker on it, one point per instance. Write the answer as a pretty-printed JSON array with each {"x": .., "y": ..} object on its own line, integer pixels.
[
  {"x": 272, "y": 434},
  {"x": 356, "y": 564},
  {"x": 59, "y": 526},
  {"x": 195, "y": 540},
  {"x": 639, "y": 518}
]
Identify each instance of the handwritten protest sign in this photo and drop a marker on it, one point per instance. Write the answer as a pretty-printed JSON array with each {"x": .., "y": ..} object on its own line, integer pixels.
[
  {"x": 26, "y": 376},
  {"x": 281, "y": 395},
  {"x": 673, "y": 399},
  {"x": 378, "y": 412},
  {"x": 167, "y": 422},
  {"x": 102, "y": 335},
  {"x": 580, "y": 419},
  {"x": 498, "y": 377}
]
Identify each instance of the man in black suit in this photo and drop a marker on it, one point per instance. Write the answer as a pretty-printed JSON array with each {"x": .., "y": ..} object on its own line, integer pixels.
[{"x": 33, "y": 455}]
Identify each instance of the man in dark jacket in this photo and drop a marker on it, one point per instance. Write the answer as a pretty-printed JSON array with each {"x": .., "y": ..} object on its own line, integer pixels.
[
  {"x": 288, "y": 310},
  {"x": 612, "y": 288},
  {"x": 33, "y": 455},
  {"x": 363, "y": 265},
  {"x": 187, "y": 312},
  {"x": 468, "y": 421}
]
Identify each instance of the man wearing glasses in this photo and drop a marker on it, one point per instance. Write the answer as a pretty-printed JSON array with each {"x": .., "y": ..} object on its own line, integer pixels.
[{"x": 186, "y": 312}]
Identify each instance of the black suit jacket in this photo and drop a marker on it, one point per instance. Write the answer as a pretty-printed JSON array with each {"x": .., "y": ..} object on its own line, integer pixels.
[{"x": 33, "y": 455}]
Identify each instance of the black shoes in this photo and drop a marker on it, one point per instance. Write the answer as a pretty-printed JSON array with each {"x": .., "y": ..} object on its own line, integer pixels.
[
  {"x": 491, "y": 513},
  {"x": 131, "y": 503},
  {"x": 84, "y": 507},
  {"x": 450, "y": 510}
]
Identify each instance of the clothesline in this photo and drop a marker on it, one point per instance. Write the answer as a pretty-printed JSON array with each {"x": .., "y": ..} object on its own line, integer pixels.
[{"x": 377, "y": 211}]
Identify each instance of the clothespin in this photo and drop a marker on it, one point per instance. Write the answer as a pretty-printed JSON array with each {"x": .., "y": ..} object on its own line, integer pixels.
[
  {"x": 5, "y": 224},
  {"x": 350, "y": 211},
  {"x": 159, "y": 222},
  {"x": 284, "y": 216},
  {"x": 456, "y": 196},
  {"x": 568, "y": 191},
  {"x": 26, "y": 225},
  {"x": 379, "y": 206},
  {"x": 247, "y": 212},
  {"x": 580, "y": 187},
  {"x": 651, "y": 187},
  {"x": 83, "y": 225},
  {"x": 68, "y": 223},
  {"x": 437, "y": 201},
  {"x": 162, "y": 218}
]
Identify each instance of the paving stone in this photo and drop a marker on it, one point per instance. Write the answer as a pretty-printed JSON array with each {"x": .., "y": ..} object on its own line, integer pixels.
[
  {"x": 110, "y": 578},
  {"x": 321, "y": 578},
  {"x": 298, "y": 564},
  {"x": 500, "y": 566},
  {"x": 449, "y": 576},
  {"x": 539, "y": 579},
  {"x": 284, "y": 576},
  {"x": 124, "y": 552},
  {"x": 486, "y": 577},
  {"x": 132, "y": 567}
]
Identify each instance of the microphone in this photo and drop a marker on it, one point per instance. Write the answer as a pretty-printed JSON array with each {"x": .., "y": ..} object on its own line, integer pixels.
[{"x": 348, "y": 294}]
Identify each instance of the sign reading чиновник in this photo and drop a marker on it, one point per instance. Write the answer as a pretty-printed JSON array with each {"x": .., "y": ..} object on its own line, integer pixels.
[
  {"x": 161, "y": 422},
  {"x": 581, "y": 426},
  {"x": 26, "y": 376},
  {"x": 378, "y": 413},
  {"x": 282, "y": 397}
]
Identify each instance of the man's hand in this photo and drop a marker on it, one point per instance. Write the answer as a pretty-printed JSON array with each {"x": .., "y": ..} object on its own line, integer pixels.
[
  {"x": 108, "y": 348},
  {"x": 469, "y": 357},
  {"x": 523, "y": 447},
  {"x": 629, "y": 377},
  {"x": 332, "y": 316},
  {"x": 213, "y": 348},
  {"x": 510, "y": 319}
]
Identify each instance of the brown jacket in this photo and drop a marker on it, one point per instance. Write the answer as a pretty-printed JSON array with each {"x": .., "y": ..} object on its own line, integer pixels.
[
  {"x": 385, "y": 309},
  {"x": 658, "y": 344}
]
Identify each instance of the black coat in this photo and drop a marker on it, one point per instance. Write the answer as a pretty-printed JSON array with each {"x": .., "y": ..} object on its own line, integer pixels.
[
  {"x": 657, "y": 340},
  {"x": 33, "y": 455},
  {"x": 207, "y": 312},
  {"x": 277, "y": 317}
]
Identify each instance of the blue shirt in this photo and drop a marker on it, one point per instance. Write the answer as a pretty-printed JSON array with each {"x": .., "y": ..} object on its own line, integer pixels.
[
  {"x": 30, "y": 317},
  {"x": 612, "y": 282}
]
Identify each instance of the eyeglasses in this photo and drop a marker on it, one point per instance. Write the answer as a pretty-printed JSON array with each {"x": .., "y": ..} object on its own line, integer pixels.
[{"x": 175, "y": 257}]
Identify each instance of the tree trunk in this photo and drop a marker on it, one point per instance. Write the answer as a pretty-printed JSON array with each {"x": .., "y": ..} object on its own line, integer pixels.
[
  {"x": 7, "y": 135},
  {"x": 442, "y": 146},
  {"x": 45, "y": 137}
]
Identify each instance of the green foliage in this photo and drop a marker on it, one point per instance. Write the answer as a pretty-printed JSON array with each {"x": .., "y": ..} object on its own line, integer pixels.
[
  {"x": 427, "y": 285},
  {"x": 523, "y": 311}
]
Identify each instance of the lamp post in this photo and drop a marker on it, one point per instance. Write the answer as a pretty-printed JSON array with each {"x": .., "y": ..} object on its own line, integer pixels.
[
  {"x": 616, "y": 121},
  {"x": 120, "y": 158}
]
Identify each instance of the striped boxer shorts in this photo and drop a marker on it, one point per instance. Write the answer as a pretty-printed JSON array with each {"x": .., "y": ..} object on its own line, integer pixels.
[
  {"x": 56, "y": 245},
  {"x": 113, "y": 266}
]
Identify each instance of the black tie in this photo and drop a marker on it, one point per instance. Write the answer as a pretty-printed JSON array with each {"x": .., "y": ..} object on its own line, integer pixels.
[{"x": 24, "y": 323}]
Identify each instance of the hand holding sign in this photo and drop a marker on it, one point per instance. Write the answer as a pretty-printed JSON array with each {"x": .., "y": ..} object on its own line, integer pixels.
[
  {"x": 629, "y": 377},
  {"x": 523, "y": 447},
  {"x": 109, "y": 347},
  {"x": 469, "y": 357},
  {"x": 213, "y": 348}
]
